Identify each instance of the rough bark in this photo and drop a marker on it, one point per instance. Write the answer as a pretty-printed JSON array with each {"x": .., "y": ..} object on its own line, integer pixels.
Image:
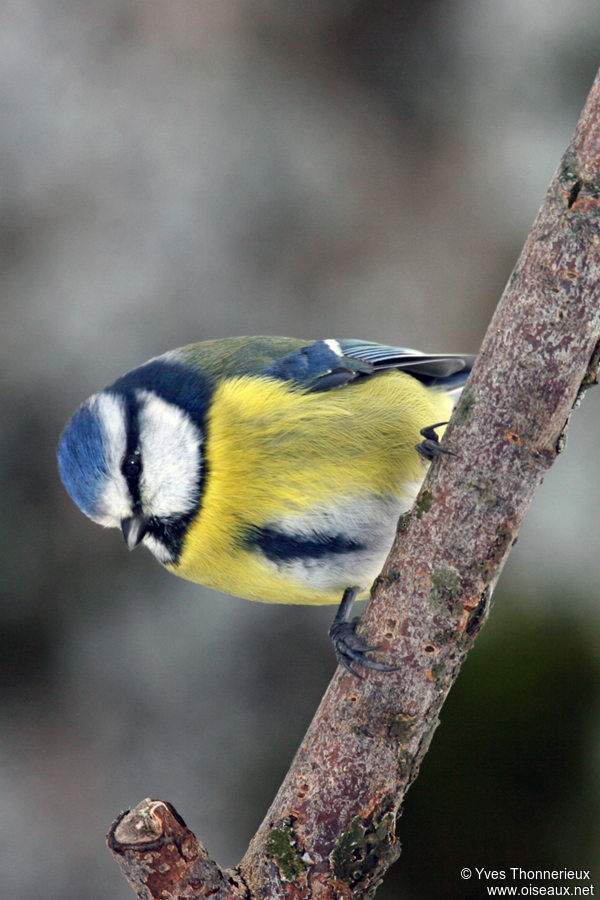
[
  {"x": 331, "y": 830},
  {"x": 160, "y": 856}
]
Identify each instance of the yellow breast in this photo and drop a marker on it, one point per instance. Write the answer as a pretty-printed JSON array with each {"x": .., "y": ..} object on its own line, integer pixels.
[{"x": 273, "y": 452}]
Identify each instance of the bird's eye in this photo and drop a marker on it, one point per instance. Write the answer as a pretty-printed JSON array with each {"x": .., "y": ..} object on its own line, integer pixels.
[{"x": 132, "y": 465}]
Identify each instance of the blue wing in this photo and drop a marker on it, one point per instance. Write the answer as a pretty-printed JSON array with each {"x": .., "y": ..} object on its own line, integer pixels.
[{"x": 329, "y": 364}]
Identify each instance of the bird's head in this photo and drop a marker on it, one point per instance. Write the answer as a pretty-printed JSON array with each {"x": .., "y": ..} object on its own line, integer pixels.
[{"x": 131, "y": 456}]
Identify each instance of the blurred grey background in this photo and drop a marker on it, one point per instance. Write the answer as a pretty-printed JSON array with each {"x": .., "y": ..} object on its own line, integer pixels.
[{"x": 176, "y": 170}]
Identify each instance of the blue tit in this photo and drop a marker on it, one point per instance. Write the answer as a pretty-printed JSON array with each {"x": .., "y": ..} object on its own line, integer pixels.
[{"x": 266, "y": 467}]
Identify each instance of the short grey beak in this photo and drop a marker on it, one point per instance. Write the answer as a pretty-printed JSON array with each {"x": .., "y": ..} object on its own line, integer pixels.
[{"x": 134, "y": 528}]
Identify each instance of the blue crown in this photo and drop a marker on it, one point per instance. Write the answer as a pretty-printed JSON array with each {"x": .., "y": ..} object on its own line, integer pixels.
[{"x": 82, "y": 459}]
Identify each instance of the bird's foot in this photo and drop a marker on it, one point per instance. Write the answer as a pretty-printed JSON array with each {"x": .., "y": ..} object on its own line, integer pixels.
[
  {"x": 430, "y": 447},
  {"x": 350, "y": 648}
]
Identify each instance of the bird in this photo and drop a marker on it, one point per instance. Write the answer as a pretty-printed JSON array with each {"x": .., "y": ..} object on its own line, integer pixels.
[{"x": 270, "y": 468}]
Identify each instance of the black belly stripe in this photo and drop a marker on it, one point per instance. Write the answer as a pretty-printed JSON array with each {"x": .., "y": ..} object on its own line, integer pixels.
[{"x": 279, "y": 546}]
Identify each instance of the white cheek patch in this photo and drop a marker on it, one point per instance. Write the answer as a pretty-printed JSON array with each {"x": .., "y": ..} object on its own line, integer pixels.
[
  {"x": 115, "y": 503},
  {"x": 170, "y": 446}
]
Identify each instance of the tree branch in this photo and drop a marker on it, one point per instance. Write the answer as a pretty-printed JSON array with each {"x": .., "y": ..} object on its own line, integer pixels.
[{"x": 331, "y": 830}]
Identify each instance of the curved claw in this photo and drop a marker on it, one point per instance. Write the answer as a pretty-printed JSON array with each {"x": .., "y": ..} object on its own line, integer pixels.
[
  {"x": 349, "y": 648},
  {"x": 430, "y": 447}
]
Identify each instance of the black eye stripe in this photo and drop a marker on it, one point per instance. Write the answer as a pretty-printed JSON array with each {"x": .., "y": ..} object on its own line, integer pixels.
[{"x": 131, "y": 464}]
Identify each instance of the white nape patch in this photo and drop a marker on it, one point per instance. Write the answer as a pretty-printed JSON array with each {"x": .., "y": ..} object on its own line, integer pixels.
[
  {"x": 170, "y": 449},
  {"x": 115, "y": 503},
  {"x": 368, "y": 521},
  {"x": 334, "y": 345}
]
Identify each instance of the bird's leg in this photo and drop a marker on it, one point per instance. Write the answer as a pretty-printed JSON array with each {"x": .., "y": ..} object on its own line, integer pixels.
[
  {"x": 348, "y": 646},
  {"x": 430, "y": 447}
]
